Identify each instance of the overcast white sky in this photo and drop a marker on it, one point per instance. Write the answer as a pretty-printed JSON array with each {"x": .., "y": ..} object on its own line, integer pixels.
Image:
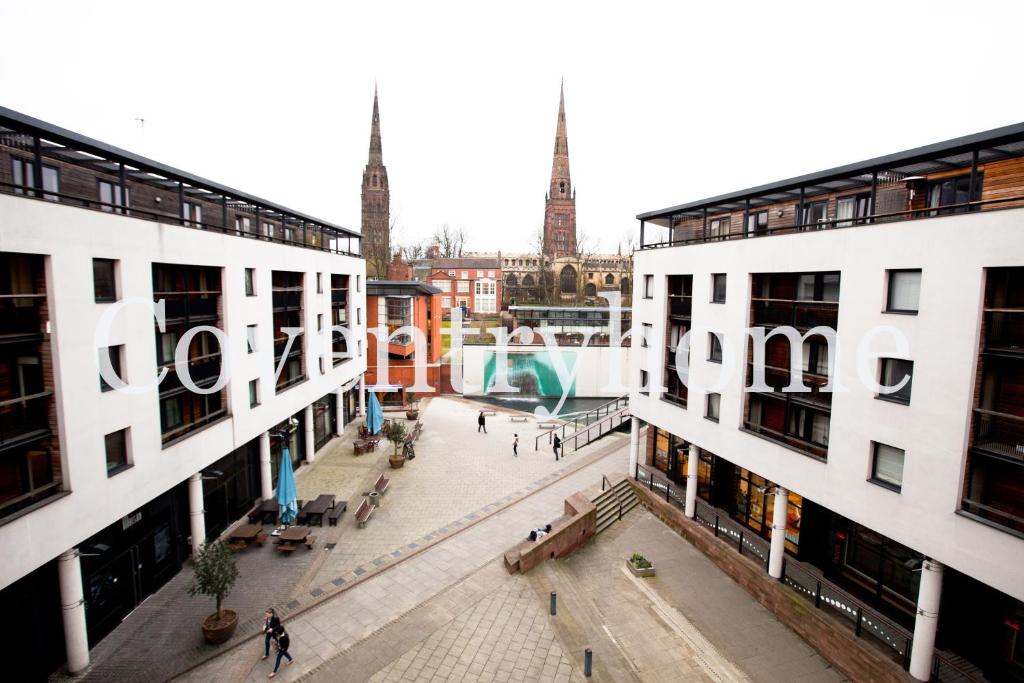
[{"x": 664, "y": 104}]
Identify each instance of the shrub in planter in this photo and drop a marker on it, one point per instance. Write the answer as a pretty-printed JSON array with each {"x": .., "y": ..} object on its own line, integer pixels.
[
  {"x": 640, "y": 565},
  {"x": 395, "y": 433},
  {"x": 412, "y": 408},
  {"x": 215, "y": 572}
]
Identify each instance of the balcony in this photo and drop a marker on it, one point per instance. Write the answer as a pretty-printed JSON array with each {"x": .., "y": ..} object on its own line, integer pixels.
[
  {"x": 995, "y": 491},
  {"x": 287, "y": 299},
  {"x": 999, "y": 434},
  {"x": 803, "y": 315},
  {"x": 680, "y": 306},
  {"x": 204, "y": 371},
  {"x": 794, "y": 442},
  {"x": 339, "y": 296},
  {"x": 191, "y": 306},
  {"x": 20, "y": 317},
  {"x": 24, "y": 418},
  {"x": 1004, "y": 332}
]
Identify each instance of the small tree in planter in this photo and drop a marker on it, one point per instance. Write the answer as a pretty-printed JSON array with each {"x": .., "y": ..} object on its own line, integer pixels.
[
  {"x": 412, "y": 408},
  {"x": 215, "y": 572},
  {"x": 640, "y": 565},
  {"x": 395, "y": 433}
]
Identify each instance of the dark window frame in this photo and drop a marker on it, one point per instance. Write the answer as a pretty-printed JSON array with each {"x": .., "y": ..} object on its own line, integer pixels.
[
  {"x": 903, "y": 396},
  {"x": 889, "y": 291},
  {"x": 707, "y": 407},
  {"x": 254, "y": 397},
  {"x": 115, "y": 363},
  {"x": 250, "y": 281},
  {"x": 126, "y": 462},
  {"x": 122, "y": 209},
  {"x": 648, "y": 286},
  {"x": 714, "y": 343},
  {"x": 104, "y": 299},
  {"x": 715, "y": 299},
  {"x": 885, "y": 483}
]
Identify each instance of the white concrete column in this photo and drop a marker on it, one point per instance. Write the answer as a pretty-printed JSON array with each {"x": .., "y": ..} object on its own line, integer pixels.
[
  {"x": 266, "y": 476},
  {"x": 339, "y": 411},
  {"x": 634, "y": 444},
  {"x": 362, "y": 395},
  {"x": 310, "y": 440},
  {"x": 692, "y": 461},
  {"x": 927, "y": 620},
  {"x": 72, "y": 601},
  {"x": 778, "y": 547},
  {"x": 196, "y": 513}
]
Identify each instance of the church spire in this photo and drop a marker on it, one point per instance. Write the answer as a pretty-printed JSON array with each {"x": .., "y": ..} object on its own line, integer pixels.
[
  {"x": 376, "y": 156},
  {"x": 561, "y": 185}
]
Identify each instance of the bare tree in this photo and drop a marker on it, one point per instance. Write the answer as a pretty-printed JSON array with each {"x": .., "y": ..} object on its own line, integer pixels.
[
  {"x": 584, "y": 250},
  {"x": 450, "y": 240},
  {"x": 414, "y": 251},
  {"x": 545, "y": 287}
]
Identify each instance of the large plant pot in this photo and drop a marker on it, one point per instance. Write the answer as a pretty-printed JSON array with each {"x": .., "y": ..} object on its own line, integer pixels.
[
  {"x": 412, "y": 414},
  {"x": 636, "y": 571},
  {"x": 396, "y": 461},
  {"x": 218, "y": 631}
]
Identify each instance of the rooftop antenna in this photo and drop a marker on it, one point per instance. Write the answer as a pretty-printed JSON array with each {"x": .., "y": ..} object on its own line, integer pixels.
[{"x": 142, "y": 131}]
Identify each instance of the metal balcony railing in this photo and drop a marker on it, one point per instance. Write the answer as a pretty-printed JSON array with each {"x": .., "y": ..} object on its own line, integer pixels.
[
  {"x": 24, "y": 417},
  {"x": 189, "y": 305},
  {"x": 800, "y": 314},
  {"x": 20, "y": 315}
]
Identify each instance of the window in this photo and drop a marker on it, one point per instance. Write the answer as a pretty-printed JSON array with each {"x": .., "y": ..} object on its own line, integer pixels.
[
  {"x": 817, "y": 287},
  {"x": 250, "y": 282},
  {"x": 443, "y": 285},
  {"x": 714, "y": 401},
  {"x": 714, "y": 348},
  {"x": 465, "y": 275},
  {"x": 490, "y": 273},
  {"x": 893, "y": 370},
  {"x": 359, "y": 283},
  {"x": 808, "y": 425},
  {"x": 815, "y": 215},
  {"x": 757, "y": 223},
  {"x": 359, "y": 347},
  {"x": 446, "y": 302},
  {"x": 114, "y": 354},
  {"x": 104, "y": 289},
  {"x": 319, "y": 283},
  {"x": 250, "y": 338},
  {"x": 242, "y": 224},
  {"x": 191, "y": 213},
  {"x": 451, "y": 273},
  {"x": 268, "y": 231},
  {"x": 852, "y": 210},
  {"x": 644, "y": 388},
  {"x": 462, "y": 287},
  {"x": 952, "y": 192},
  {"x": 24, "y": 177},
  {"x": 322, "y": 371},
  {"x": 815, "y": 356},
  {"x": 718, "y": 228},
  {"x": 904, "y": 291},
  {"x": 887, "y": 466},
  {"x": 718, "y": 288},
  {"x": 648, "y": 286},
  {"x": 117, "y": 451},
  {"x": 609, "y": 280},
  {"x": 646, "y": 331},
  {"x": 110, "y": 197},
  {"x": 254, "y": 393},
  {"x": 319, "y": 322},
  {"x": 359, "y": 316}
]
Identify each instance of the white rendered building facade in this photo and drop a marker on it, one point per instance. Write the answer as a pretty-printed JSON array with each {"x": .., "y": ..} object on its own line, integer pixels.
[
  {"x": 105, "y": 491},
  {"x": 897, "y": 497}
]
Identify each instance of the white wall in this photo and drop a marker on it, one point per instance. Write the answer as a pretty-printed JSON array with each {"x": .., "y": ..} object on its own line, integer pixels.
[
  {"x": 70, "y": 238},
  {"x": 599, "y": 371},
  {"x": 933, "y": 430}
]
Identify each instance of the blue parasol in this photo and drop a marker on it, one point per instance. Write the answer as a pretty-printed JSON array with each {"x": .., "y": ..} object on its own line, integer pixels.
[
  {"x": 374, "y": 415},
  {"x": 286, "y": 492}
]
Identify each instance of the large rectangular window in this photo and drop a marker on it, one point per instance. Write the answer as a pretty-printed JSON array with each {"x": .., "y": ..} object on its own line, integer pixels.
[
  {"x": 904, "y": 291},
  {"x": 887, "y": 466},
  {"x": 24, "y": 177},
  {"x": 718, "y": 228},
  {"x": 250, "y": 282},
  {"x": 117, "y": 451},
  {"x": 815, "y": 215},
  {"x": 104, "y": 289},
  {"x": 757, "y": 223},
  {"x": 648, "y": 286},
  {"x": 893, "y": 372},
  {"x": 953, "y": 193},
  {"x": 718, "y": 288},
  {"x": 191, "y": 213},
  {"x": 111, "y": 199},
  {"x": 852, "y": 210}
]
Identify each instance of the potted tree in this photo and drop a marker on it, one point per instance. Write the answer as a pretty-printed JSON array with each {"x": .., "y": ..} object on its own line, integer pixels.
[
  {"x": 395, "y": 433},
  {"x": 640, "y": 565},
  {"x": 215, "y": 573},
  {"x": 412, "y": 407}
]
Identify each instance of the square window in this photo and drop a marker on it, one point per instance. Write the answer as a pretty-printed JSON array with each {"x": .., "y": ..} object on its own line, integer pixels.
[
  {"x": 250, "y": 338},
  {"x": 117, "y": 451},
  {"x": 648, "y": 286},
  {"x": 904, "y": 291},
  {"x": 893, "y": 372},
  {"x": 718, "y": 288},
  {"x": 714, "y": 348},
  {"x": 714, "y": 401},
  {"x": 887, "y": 466},
  {"x": 319, "y": 283},
  {"x": 250, "y": 282},
  {"x": 254, "y": 393},
  {"x": 103, "y": 283},
  {"x": 114, "y": 354}
]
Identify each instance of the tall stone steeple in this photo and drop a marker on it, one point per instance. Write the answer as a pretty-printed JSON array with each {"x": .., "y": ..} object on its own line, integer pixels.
[
  {"x": 376, "y": 203},
  {"x": 560, "y": 202}
]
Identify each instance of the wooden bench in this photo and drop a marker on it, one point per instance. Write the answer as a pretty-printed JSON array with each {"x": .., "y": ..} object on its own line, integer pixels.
[
  {"x": 489, "y": 413},
  {"x": 310, "y": 540},
  {"x": 546, "y": 425},
  {"x": 382, "y": 484},
  {"x": 286, "y": 548},
  {"x": 363, "y": 512},
  {"x": 336, "y": 512},
  {"x": 235, "y": 545},
  {"x": 517, "y": 418}
]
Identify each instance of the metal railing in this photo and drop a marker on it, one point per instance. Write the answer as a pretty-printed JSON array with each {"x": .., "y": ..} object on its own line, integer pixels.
[
  {"x": 24, "y": 416},
  {"x": 590, "y": 416},
  {"x": 809, "y": 583},
  {"x": 618, "y": 498}
]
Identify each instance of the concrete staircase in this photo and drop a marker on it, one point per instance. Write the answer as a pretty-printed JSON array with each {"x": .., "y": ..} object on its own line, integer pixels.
[{"x": 607, "y": 503}]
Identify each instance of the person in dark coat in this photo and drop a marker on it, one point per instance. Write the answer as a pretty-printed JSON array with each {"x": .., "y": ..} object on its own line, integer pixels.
[
  {"x": 281, "y": 642},
  {"x": 271, "y": 623},
  {"x": 556, "y": 445},
  {"x": 481, "y": 423},
  {"x": 515, "y": 446}
]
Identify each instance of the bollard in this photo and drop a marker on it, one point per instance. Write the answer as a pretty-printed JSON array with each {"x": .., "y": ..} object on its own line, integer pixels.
[
  {"x": 554, "y": 603},
  {"x": 588, "y": 662}
]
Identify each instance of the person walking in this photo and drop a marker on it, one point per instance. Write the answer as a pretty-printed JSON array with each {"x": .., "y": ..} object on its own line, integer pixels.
[
  {"x": 515, "y": 446},
  {"x": 481, "y": 423},
  {"x": 271, "y": 623},
  {"x": 281, "y": 642},
  {"x": 556, "y": 445}
]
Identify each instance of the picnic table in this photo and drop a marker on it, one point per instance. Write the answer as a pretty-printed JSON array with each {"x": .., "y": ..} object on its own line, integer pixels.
[
  {"x": 267, "y": 508},
  {"x": 292, "y": 537},
  {"x": 241, "y": 536},
  {"x": 316, "y": 509}
]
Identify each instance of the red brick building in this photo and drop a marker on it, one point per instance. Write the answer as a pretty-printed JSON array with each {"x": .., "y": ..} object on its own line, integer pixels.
[{"x": 472, "y": 283}]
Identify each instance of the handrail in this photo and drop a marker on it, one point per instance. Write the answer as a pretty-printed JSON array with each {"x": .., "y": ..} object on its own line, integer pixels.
[
  {"x": 624, "y": 400},
  {"x": 834, "y": 223},
  {"x": 618, "y": 498}
]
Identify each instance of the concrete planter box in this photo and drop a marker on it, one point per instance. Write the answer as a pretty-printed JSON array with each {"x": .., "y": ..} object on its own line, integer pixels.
[{"x": 642, "y": 573}]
